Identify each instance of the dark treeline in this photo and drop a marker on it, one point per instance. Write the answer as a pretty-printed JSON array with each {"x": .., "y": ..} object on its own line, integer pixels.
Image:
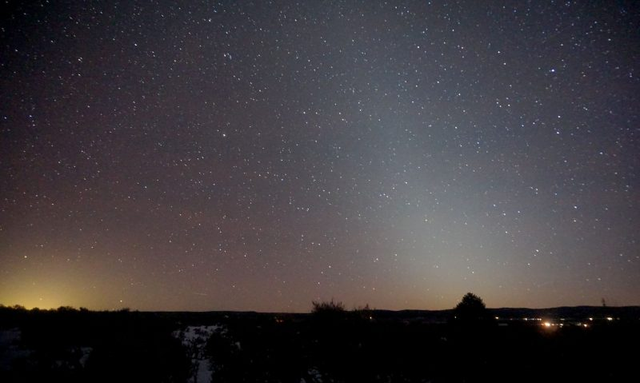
[
  {"x": 124, "y": 346},
  {"x": 332, "y": 344}
]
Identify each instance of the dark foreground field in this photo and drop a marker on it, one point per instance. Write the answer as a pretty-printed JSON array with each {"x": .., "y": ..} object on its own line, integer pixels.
[{"x": 561, "y": 345}]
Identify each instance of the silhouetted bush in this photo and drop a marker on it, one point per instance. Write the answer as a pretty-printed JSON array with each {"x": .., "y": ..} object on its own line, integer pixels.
[
  {"x": 364, "y": 313},
  {"x": 332, "y": 307}
]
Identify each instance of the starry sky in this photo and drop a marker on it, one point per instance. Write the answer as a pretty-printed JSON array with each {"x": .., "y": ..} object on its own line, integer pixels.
[{"x": 258, "y": 155}]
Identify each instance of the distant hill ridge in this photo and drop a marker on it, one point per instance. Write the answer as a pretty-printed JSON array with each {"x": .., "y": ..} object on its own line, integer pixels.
[{"x": 566, "y": 312}]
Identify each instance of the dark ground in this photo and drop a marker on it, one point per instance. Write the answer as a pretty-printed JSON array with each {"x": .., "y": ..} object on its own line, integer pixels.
[{"x": 69, "y": 345}]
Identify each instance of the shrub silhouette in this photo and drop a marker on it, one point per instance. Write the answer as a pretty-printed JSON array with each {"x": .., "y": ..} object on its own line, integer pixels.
[{"x": 324, "y": 308}]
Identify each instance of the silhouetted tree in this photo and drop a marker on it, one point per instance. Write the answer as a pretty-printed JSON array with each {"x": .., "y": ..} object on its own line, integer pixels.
[{"x": 471, "y": 309}]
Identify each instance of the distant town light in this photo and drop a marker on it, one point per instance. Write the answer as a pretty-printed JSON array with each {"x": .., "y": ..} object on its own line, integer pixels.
[
  {"x": 609, "y": 318},
  {"x": 546, "y": 324}
]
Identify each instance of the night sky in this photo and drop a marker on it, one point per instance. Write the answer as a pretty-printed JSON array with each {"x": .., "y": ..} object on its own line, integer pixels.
[{"x": 238, "y": 155}]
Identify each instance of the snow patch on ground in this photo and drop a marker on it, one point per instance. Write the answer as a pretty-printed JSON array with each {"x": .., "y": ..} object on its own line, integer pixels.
[
  {"x": 84, "y": 355},
  {"x": 194, "y": 339},
  {"x": 10, "y": 348},
  {"x": 314, "y": 376}
]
